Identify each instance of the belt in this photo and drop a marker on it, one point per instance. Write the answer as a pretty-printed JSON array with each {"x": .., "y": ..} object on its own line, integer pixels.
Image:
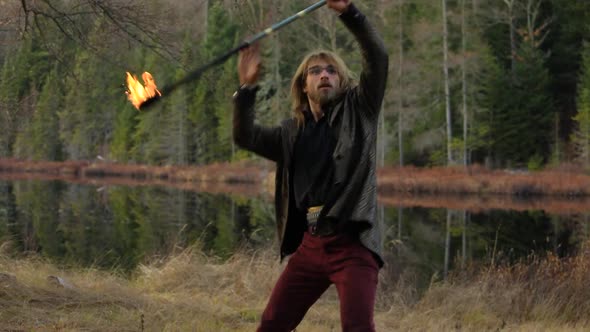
[
  {"x": 312, "y": 223},
  {"x": 313, "y": 213}
]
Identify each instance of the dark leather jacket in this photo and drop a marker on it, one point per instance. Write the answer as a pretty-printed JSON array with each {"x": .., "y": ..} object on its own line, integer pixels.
[{"x": 354, "y": 117}]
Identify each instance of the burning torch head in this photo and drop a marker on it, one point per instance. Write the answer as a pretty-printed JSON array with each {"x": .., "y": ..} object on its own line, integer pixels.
[{"x": 142, "y": 95}]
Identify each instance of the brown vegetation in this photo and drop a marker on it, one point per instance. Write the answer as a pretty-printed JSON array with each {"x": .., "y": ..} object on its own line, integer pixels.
[
  {"x": 564, "y": 190},
  {"x": 244, "y": 172},
  {"x": 189, "y": 291},
  {"x": 567, "y": 181},
  {"x": 248, "y": 178}
]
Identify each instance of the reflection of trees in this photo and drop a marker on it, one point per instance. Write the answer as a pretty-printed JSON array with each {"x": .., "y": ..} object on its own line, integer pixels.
[
  {"x": 87, "y": 226},
  {"x": 122, "y": 226},
  {"x": 7, "y": 212},
  {"x": 232, "y": 222},
  {"x": 23, "y": 217},
  {"x": 508, "y": 236},
  {"x": 43, "y": 199},
  {"x": 428, "y": 243},
  {"x": 414, "y": 244},
  {"x": 119, "y": 226},
  {"x": 570, "y": 233}
]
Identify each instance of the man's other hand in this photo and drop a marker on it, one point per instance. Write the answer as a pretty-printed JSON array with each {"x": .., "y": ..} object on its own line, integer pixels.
[
  {"x": 249, "y": 65},
  {"x": 338, "y": 5}
]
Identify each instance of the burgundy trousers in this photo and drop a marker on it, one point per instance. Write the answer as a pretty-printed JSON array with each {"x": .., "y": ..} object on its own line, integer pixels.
[{"x": 317, "y": 263}]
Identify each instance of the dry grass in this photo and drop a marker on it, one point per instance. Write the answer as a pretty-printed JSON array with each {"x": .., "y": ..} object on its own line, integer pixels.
[
  {"x": 562, "y": 190},
  {"x": 232, "y": 173},
  {"x": 537, "y": 295},
  {"x": 246, "y": 178},
  {"x": 189, "y": 291},
  {"x": 567, "y": 181}
]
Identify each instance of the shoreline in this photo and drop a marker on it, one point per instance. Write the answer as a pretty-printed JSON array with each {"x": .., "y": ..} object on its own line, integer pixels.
[{"x": 564, "y": 190}]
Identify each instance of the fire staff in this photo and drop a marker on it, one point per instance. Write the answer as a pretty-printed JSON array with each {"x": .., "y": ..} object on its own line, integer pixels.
[{"x": 325, "y": 195}]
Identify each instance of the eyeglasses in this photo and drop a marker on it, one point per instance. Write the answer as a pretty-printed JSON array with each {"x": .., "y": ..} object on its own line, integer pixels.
[{"x": 316, "y": 70}]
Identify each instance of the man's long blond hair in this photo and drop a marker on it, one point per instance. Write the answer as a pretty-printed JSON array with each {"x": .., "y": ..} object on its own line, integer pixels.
[{"x": 299, "y": 100}]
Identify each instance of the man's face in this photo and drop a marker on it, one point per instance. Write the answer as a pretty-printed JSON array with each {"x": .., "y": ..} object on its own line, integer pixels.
[{"x": 322, "y": 82}]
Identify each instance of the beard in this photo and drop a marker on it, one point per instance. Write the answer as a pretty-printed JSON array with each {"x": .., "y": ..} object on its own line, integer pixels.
[{"x": 323, "y": 96}]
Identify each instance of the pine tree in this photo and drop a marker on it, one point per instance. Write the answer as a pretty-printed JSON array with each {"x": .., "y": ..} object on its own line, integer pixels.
[
  {"x": 93, "y": 97},
  {"x": 43, "y": 134},
  {"x": 522, "y": 126},
  {"x": 211, "y": 109},
  {"x": 581, "y": 135},
  {"x": 22, "y": 75}
]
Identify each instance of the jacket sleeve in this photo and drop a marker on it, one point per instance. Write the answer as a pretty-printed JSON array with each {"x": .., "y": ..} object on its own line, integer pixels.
[
  {"x": 264, "y": 141},
  {"x": 373, "y": 77}
]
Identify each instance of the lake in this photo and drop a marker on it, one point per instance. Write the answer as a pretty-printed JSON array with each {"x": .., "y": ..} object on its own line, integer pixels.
[{"x": 117, "y": 227}]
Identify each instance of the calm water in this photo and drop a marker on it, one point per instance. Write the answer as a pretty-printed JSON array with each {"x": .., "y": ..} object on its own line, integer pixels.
[{"x": 118, "y": 227}]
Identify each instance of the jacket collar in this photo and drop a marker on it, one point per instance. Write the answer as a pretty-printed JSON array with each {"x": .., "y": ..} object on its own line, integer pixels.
[{"x": 332, "y": 106}]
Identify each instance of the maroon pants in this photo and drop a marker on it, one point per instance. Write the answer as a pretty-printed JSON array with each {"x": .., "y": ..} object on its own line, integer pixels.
[{"x": 317, "y": 263}]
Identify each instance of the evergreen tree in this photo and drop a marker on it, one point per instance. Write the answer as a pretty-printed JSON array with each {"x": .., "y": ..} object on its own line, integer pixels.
[
  {"x": 212, "y": 104},
  {"x": 581, "y": 135},
  {"x": 92, "y": 100},
  {"x": 423, "y": 96},
  {"x": 21, "y": 77},
  {"x": 523, "y": 126},
  {"x": 569, "y": 28},
  {"x": 125, "y": 125},
  {"x": 41, "y": 138}
]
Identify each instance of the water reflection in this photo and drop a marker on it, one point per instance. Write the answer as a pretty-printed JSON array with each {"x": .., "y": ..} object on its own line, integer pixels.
[
  {"x": 431, "y": 242},
  {"x": 117, "y": 226}
]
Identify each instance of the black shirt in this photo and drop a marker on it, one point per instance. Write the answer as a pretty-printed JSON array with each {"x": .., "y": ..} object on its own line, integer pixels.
[{"x": 313, "y": 165}]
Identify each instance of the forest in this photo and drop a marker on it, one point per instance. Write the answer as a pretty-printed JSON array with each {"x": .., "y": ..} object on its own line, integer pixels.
[{"x": 503, "y": 83}]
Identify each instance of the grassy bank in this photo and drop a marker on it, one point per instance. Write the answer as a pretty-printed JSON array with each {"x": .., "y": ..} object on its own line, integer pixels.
[
  {"x": 564, "y": 181},
  {"x": 562, "y": 190},
  {"x": 232, "y": 173},
  {"x": 189, "y": 291}
]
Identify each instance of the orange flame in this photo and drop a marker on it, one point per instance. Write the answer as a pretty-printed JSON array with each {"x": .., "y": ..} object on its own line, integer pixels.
[{"x": 138, "y": 93}]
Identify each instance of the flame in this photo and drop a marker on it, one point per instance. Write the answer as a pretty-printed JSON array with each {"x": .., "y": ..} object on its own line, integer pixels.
[{"x": 138, "y": 93}]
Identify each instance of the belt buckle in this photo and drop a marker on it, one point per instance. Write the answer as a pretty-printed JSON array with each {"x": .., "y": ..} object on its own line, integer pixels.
[
  {"x": 312, "y": 218},
  {"x": 315, "y": 209},
  {"x": 313, "y": 229}
]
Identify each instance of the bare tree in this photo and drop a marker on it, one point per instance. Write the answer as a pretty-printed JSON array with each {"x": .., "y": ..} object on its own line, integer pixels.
[
  {"x": 464, "y": 79},
  {"x": 447, "y": 83},
  {"x": 401, "y": 85},
  {"x": 511, "y": 16},
  {"x": 536, "y": 31},
  {"x": 132, "y": 20},
  {"x": 9, "y": 27}
]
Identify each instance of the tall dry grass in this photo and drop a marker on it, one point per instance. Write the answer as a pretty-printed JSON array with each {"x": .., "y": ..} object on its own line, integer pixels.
[
  {"x": 536, "y": 294},
  {"x": 564, "y": 181},
  {"x": 567, "y": 181},
  {"x": 189, "y": 291},
  {"x": 231, "y": 173}
]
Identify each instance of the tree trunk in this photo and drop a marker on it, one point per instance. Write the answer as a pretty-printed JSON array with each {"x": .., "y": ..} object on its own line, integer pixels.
[
  {"x": 447, "y": 244},
  {"x": 447, "y": 84},
  {"x": 400, "y": 107},
  {"x": 510, "y": 4},
  {"x": 464, "y": 81},
  {"x": 464, "y": 240}
]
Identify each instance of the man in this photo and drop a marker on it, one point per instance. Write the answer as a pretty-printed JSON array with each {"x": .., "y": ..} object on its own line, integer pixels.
[{"x": 325, "y": 182}]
